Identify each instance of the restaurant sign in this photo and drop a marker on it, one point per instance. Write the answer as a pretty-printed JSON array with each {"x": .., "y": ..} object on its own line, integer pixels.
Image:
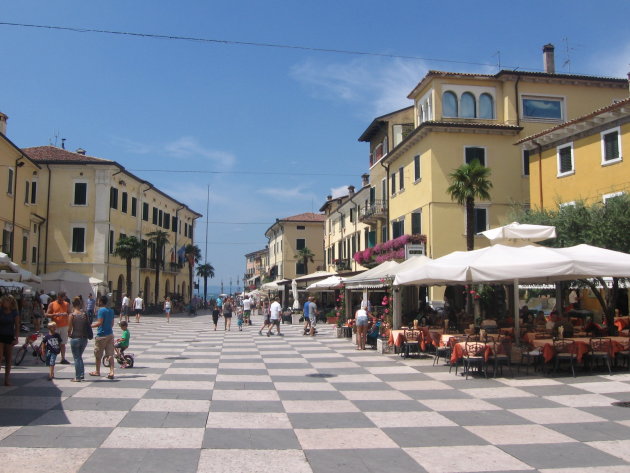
[{"x": 414, "y": 250}]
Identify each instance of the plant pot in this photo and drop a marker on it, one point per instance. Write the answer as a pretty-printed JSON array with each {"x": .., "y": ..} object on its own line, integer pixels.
[{"x": 332, "y": 320}]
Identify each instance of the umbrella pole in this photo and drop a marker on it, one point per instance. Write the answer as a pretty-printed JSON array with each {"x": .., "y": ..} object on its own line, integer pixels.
[{"x": 517, "y": 319}]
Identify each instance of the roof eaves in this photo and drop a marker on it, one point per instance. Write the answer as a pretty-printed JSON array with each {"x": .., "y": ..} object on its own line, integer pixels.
[{"x": 19, "y": 150}]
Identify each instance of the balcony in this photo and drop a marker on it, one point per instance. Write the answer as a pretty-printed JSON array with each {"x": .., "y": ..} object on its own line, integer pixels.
[
  {"x": 342, "y": 264},
  {"x": 373, "y": 212}
]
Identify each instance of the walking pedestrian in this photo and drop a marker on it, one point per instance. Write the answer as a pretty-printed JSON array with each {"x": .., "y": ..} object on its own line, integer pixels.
[
  {"x": 167, "y": 309},
  {"x": 307, "y": 320},
  {"x": 38, "y": 314},
  {"x": 9, "y": 332},
  {"x": 138, "y": 307},
  {"x": 361, "y": 318},
  {"x": 78, "y": 331},
  {"x": 265, "y": 311},
  {"x": 59, "y": 312},
  {"x": 312, "y": 314},
  {"x": 275, "y": 313},
  {"x": 51, "y": 346},
  {"x": 89, "y": 307},
  {"x": 125, "y": 308},
  {"x": 247, "y": 310},
  {"x": 104, "y": 340},
  {"x": 45, "y": 300},
  {"x": 227, "y": 312},
  {"x": 215, "y": 316}
]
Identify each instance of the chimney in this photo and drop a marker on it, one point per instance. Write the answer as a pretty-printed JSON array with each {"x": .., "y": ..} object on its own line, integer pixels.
[
  {"x": 365, "y": 180},
  {"x": 3, "y": 123},
  {"x": 80, "y": 151},
  {"x": 329, "y": 197},
  {"x": 350, "y": 191},
  {"x": 548, "y": 58}
]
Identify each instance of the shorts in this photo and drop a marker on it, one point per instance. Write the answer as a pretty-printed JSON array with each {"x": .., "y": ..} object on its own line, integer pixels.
[
  {"x": 313, "y": 321},
  {"x": 119, "y": 346},
  {"x": 168, "y": 311},
  {"x": 362, "y": 322},
  {"x": 137, "y": 311},
  {"x": 38, "y": 315},
  {"x": 267, "y": 319},
  {"x": 125, "y": 310},
  {"x": 275, "y": 322},
  {"x": 215, "y": 319},
  {"x": 247, "y": 313},
  {"x": 63, "y": 333},
  {"x": 103, "y": 344},
  {"x": 51, "y": 358},
  {"x": 240, "y": 322},
  {"x": 228, "y": 315}
]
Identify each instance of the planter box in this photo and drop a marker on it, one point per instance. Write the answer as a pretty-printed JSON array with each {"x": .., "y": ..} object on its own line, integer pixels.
[
  {"x": 340, "y": 332},
  {"x": 383, "y": 347},
  {"x": 332, "y": 320},
  {"x": 295, "y": 318}
]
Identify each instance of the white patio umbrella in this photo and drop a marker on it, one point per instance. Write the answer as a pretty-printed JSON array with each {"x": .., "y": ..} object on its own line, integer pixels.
[
  {"x": 500, "y": 263},
  {"x": 331, "y": 282},
  {"x": 519, "y": 234},
  {"x": 294, "y": 291}
]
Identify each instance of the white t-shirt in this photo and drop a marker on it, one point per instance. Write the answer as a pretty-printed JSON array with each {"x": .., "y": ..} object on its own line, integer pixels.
[
  {"x": 312, "y": 310},
  {"x": 138, "y": 303},
  {"x": 44, "y": 298},
  {"x": 275, "y": 309},
  {"x": 362, "y": 314},
  {"x": 125, "y": 301},
  {"x": 167, "y": 304},
  {"x": 247, "y": 304}
]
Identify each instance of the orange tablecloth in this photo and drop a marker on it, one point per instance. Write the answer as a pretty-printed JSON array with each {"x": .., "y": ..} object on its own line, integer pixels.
[
  {"x": 582, "y": 346},
  {"x": 459, "y": 352}
]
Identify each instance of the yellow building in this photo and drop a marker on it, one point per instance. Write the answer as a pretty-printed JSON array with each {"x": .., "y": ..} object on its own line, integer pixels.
[
  {"x": 582, "y": 159},
  {"x": 289, "y": 235},
  {"x": 90, "y": 203},
  {"x": 20, "y": 203},
  {"x": 344, "y": 233},
  {"x": 459, "y": 117},
  {"x": 256, "y": 264}
]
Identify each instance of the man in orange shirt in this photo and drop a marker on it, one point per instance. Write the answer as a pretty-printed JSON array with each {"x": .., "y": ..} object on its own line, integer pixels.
[{"x": 59, "y": 312}]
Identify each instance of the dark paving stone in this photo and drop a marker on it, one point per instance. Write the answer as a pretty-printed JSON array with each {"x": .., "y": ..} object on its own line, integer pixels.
[
  {"x": 360, "y": 386},
  {"x": 57, "y": 437},
  {"x": 139, "y": 460},
  {"x": 373, "y": 364},
  {"x": 474, "y": 383},
  {"x": 523, "y": 403},
  {"x": 311, "y": 396},
  {"x": 234, "y": 385},
  {"x": 242, "y": 372},
  {"x": 391, "y": 460},
  {"x": 288, "y": 366},
  {"x": 553, "y": 390},
  {"x": 190, "y": 394},
  {"x": 333, "y": 421},
  {"x": 390, "y": 406},
  {"x": 297, "y": 379},
  {"x": 609, "y": 412},
  {"x": 52, "y": 391},
  {"x": 440, "y": 394},
  {"x": 344, "y": 371},
  {"x": 187, "y": 377},
  {"x": 407, "y": 437},
  {"x": 19, "y": 416},
  {"x": 246, "y": 406},
  {"x": 484, "y": 418},
  {"x": 163, "y": 419},
  {"x": 593, "y": 431},
  {"x": 263, "y": 439},
  {"x": 98, "y": 404},
  {"x": 564, "y": 455},
  {"x": 393, "y": 377},
  {"x": 193, "y": 365}
]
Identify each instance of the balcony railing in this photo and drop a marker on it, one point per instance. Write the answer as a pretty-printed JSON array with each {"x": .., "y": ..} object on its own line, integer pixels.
[
  {"x": 342, "y": 264},
  {"x": 373, "y": 211}
]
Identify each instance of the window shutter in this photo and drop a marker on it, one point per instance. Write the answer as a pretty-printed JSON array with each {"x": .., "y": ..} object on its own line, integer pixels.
[
  {"x": 565, "y": 160},
  {"x": 611, "y": 146}
]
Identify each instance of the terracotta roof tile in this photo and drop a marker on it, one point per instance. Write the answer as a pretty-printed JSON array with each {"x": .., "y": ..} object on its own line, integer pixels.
[
  {"x": 52, "y": 154},
  {"x": 305, "y": 217}
]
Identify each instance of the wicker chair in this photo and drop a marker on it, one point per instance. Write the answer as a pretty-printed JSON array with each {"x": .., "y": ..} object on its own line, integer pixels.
[
  {"x": 501, "y": 355},
  {"x": 565, "y": 351},
  {"x": 411, "y": 343},
  {"x": 474, "y": 356},
  {"x": 530, "y": 356},
  {"x": 600, "y": 349}
]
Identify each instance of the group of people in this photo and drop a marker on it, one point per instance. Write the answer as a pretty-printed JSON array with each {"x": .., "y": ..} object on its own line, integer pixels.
[
  {"x": 126, "y": 308},
  {"x": 71, "y": 322}
]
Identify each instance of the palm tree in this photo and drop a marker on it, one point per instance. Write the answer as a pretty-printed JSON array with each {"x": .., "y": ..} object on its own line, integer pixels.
[
  {"x": 193, "y": 255},
  {"x": 205, "y": 271},
  {"x": 305, "y": 255},
  {"x": 128, "y": 248},
  {"x": 159, "y": 238},
  {"x": 470, "y": 182}
]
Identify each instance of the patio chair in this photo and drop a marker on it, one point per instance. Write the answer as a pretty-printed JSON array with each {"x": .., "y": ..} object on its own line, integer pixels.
[
  {"x": 451, "y": 344},
  {"x": 474, "y": 356},
  {"x": 565, "y": 352},
  {"x": 530, "y": 356},
  {"x": 411, "y": 343},
  {"x": 441, "y": 352},
  {"x": 600, "y": 349},
  {"x": 624, "y": 356},
  {"x": 501, "y": 355}
]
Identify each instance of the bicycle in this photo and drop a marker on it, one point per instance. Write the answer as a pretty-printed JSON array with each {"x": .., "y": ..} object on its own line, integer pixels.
[
  {"x": 122, "y": 358},
  {"x": 36, "y": 347}
]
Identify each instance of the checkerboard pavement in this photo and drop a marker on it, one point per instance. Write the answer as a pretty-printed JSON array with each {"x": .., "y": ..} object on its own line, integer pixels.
[{"x": 205, "y": 401}]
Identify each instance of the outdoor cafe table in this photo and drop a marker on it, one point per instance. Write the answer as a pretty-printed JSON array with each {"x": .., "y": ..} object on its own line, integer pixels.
[
  {"x": 397, "y": 337},
  {"x": 582, "y": 346},
  {"x": 459, "y": 351}
]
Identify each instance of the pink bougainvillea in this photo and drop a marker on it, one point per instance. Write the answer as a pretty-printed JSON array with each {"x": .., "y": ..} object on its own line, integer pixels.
[{"x": 390, "y": 250}]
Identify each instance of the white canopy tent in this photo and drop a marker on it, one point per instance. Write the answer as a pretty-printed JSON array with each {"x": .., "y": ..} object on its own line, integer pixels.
[
  {"x": 500, "y": 263},
  {"x": 331, "y": 282},
  {"x": 71, "y": 282},
  {"x": 372, "y": 278},
  {"x": 519, "y": 234},
  {"x": 315, "y": 275},
  {"x": 274, "y": 285}
]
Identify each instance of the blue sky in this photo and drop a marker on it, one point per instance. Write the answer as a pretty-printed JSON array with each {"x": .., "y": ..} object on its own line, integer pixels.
[{"x": 181, "y": 105}]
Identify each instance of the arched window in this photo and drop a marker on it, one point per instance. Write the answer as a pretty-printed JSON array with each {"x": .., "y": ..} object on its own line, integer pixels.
[
  {"x": 467, "y": 107},
  {"x": 486, "y": 106},
  {"x": 449, "y": 104}
]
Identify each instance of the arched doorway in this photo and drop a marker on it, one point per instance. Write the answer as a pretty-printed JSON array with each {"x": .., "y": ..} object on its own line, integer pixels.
[
  {"x": 119, "y": 290},
  {"x": 167, "y": 288},
  {"x": 145, "y": 294},
  {"x": 183, "y": 292}
]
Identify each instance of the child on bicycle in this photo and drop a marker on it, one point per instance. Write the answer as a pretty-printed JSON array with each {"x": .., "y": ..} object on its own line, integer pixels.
[
  {"x": 51, "y": 346},
  {"x": 123, "y": 342}
]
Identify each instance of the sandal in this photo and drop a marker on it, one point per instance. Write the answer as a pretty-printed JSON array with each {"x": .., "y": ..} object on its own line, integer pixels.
[
  {"x": 110, "y": 376},
  {"x": 75, "y": 380},
  {"x": 94, "y": 373}
]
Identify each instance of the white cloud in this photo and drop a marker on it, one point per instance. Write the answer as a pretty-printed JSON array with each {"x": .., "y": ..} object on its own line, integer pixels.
[
  {"x": 131, "y": 146},
  {"x": 339, "y": 191},
  {"x": 381, "y": 84},
  {"x": 287, "y": 193}
]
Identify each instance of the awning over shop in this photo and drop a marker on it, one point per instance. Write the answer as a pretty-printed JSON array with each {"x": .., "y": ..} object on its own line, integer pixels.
[
  {"x": 372, "y": 278},
  {"x": 275, "y": 285},
  {"x": 314, "y": 276},
  {"x": 331, "y": 282}
]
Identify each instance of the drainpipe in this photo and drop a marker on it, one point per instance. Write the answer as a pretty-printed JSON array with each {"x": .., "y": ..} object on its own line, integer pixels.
[
  {"x": 386, "y": 199},
  {"x": 47, "y": 220},
  {"x": 18, "y": 165},
  {"x": 518, "y": 107},
  {"x": 540, "y": 187},
  {"x": 176, "y": 258}
]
